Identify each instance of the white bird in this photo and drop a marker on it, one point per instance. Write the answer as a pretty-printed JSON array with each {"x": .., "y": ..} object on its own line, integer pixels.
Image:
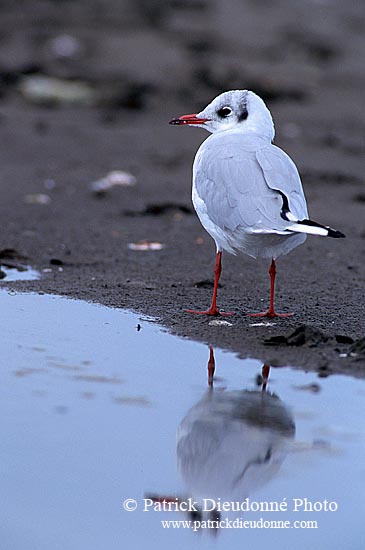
[{"x": 246, "y": 191}]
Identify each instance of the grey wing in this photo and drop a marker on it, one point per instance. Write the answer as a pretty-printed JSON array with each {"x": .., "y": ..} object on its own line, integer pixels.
[
  {"x": 282, "y": 175},
  {"x": 235, "y": 192}
]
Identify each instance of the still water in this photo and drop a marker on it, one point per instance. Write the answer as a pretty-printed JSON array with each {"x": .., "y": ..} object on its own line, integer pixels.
[
  {"x": 102, "y": 411},
  {"x": 21, "y": 273}
]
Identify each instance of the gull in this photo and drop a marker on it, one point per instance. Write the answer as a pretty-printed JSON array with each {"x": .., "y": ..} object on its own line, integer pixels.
[{"x": 246, "y": 191}]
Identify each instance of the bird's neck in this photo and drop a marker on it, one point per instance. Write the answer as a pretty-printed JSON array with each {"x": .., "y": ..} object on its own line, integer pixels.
[
  {"x": 249, "y": 131},
  {"x": 262, "y": 126},
  {"x": 258, "y": 126}
]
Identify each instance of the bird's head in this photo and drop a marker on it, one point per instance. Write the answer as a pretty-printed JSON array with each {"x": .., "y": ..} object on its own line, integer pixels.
[{"x": 237, "y": 110}]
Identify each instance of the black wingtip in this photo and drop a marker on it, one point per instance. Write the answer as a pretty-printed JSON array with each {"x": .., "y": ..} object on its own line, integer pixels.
[
  {"x": 331, "y": 232},
  {"x": 335, "y": 234}
]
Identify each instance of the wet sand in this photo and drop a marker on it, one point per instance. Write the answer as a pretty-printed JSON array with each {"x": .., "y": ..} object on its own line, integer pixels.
[{"x": 145, "y": 63}]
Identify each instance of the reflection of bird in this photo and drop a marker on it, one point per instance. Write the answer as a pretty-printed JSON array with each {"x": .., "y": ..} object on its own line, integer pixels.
[
  {"x": 231, "y": 443},
  {"x": 247, "y": 192}
]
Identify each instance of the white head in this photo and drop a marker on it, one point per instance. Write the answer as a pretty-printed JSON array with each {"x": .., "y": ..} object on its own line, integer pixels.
[{"x": 238, "y": 111}]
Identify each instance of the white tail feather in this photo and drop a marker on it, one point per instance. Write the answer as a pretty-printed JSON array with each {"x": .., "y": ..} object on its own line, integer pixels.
[{"x": 309, "y": 229}]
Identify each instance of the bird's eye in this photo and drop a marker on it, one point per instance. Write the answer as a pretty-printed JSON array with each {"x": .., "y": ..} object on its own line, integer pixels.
[{"x": 224, "y": 112}]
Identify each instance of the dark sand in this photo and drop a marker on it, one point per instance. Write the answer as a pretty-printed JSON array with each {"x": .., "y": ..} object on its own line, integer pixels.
[{"x": 149, "y": 61}]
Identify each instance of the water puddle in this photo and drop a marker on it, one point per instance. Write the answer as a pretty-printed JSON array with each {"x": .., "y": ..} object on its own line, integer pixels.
[
  {"x": 106, "y": 419},
  {"x": 23, "y": 273}
]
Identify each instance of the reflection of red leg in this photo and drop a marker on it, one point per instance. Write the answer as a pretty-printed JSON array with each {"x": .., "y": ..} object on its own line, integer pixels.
[
  {"x": 213, "y": 310},
  {"x": 265, "y": 371},
  {"x": 211, "y": 367},
  {"x": 271, "y": 311}
]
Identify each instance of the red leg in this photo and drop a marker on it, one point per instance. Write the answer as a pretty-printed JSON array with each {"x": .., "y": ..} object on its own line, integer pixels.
[
  {"x": 211, "y": 367},
  {"x": 271, "y": 311},
  {"x": 213, "y": 310}
]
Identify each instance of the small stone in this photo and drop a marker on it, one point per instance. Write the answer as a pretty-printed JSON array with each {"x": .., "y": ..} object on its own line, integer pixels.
[{"x": 219, "y": 323}]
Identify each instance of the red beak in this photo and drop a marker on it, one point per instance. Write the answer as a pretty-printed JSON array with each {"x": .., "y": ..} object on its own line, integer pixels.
[{"x": 188, "y": 119}]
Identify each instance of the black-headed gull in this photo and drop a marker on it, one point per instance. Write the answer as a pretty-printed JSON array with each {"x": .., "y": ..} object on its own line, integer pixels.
[{"x": 246, "y": 191}]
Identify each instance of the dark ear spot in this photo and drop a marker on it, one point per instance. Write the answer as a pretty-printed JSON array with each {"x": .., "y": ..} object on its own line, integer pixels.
[{"x": 243, "y": 113}]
